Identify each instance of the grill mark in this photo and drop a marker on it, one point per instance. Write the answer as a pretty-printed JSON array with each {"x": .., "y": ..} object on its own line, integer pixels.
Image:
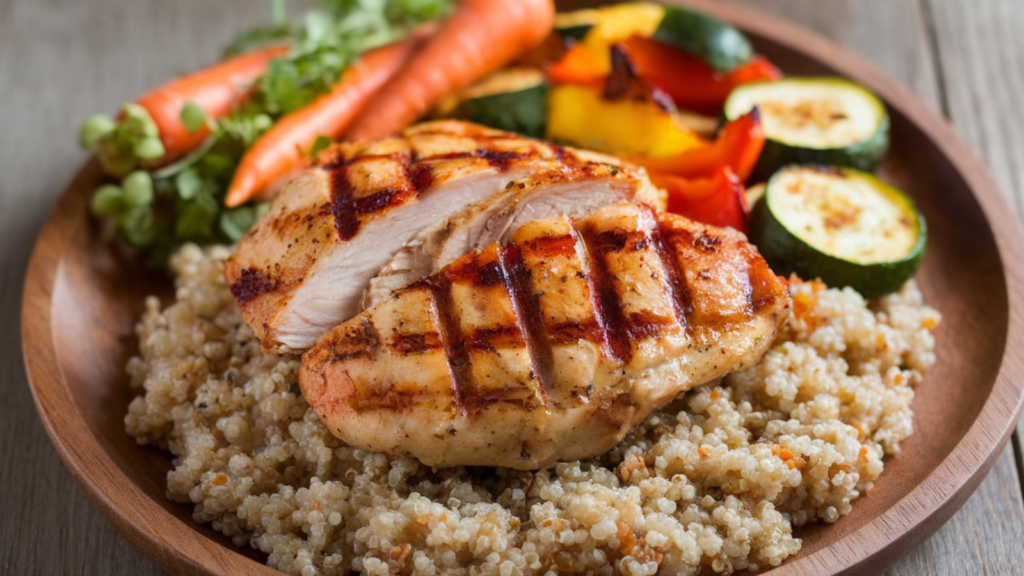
[
  {"x": 645, "y": 324},
  {"x": 471, "y": 272},
  {"x": 365, "y": 343},
  {"x": 251, "y": 284},
  {"x": 408, "y": 344},
  {"x": 391, "y": 399},
  {"x": 764, "y": 283},
  {"x": 675, "y": 277},
  {"x": 551, "y": 246},
  {"x": 421, "y": 176},
  {"x": 451, "y": 338},
  {"x": 343, "y": 162},
  {"x": 572, "y": 332},
  {"x": 504, "y": 396},
  {"x": 592, "y": 249},
  {"x": 526, "y": 305},
  {"x": 489, "y": 339},
  {"x": 343, "y": 204},
  {"x": 347, "y": 209},
  {"x": 500, "y": 159}
]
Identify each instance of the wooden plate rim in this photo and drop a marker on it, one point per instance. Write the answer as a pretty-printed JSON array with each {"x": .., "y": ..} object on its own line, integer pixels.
[{"x": 912, "y": 519}]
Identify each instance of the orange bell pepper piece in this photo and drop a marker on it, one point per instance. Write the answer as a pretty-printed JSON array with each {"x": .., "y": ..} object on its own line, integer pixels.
[
  {"x": 577, "y": 66},
  {"x": 719, "y": 200}
]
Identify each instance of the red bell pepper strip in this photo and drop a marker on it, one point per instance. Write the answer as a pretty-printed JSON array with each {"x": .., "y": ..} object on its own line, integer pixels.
[
  {"x": 719, "y": 200},
  {"x": 577, "y": 66},
  {"x": 692, "y": 84},
  {"x": 738, "y": 146}
]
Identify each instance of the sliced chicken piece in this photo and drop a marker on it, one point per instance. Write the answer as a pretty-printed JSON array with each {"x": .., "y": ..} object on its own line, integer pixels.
[
  {"x": 574, "y": 193},
  {"x": 550, "y": 348},
  {"x": 303, "y": 268}
]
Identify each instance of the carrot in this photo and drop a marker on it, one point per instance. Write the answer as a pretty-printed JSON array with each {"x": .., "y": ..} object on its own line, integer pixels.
[
  {"x": 479, "y": 38},
  {"x": 281, "y": 149},
  {"x": 215, "y": 89}
]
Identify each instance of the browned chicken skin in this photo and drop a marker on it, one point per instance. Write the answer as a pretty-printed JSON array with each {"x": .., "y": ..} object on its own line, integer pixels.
[{"x": 549, "y": 348}]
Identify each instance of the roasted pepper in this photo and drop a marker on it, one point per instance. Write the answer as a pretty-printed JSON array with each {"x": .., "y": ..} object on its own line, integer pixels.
[
  {"x": 719, "y": 200},
  {"x": 618, "y": 22},
  {"x": 689, "y": 81},
  {"x": 738, "y": 146},
  {"x": 577, "y": 66},
  {"x": 622, "y": 116}
]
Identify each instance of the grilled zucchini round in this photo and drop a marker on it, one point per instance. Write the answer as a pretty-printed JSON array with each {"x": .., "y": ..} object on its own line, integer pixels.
[
  {"x": 843, "y": 226},
  {"x": 820, "y": 120}
]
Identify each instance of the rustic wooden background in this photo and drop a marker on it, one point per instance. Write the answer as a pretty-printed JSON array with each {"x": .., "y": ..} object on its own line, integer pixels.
[{"x": 63, "y": 59}]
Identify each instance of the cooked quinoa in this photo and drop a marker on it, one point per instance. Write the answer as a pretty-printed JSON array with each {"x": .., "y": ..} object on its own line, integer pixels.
[{"x": 715, "y": 482}]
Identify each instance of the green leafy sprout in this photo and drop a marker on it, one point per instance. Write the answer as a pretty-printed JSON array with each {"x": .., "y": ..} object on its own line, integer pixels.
[{"x": 158, "y": 209}]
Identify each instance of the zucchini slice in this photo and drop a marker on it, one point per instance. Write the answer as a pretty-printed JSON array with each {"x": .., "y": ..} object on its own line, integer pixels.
[
  {"x": 722, "y": 46},
  {"x": 576, "y": 24},
  {"x": 815, "y": 120},
  {"x": 515, "y": 99},
  {"x": 841, "y": 225}
]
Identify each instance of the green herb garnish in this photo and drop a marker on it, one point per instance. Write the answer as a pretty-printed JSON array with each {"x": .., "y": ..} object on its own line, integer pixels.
[{"x": 160, "y": 209}]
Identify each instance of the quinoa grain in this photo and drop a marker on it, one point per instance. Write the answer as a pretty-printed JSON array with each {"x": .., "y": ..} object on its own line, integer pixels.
[{"x": 719, "y": 478}]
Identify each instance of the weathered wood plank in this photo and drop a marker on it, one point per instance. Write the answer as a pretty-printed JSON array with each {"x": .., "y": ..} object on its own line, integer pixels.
[
  {"x": 981, "y": 53},
  {"x": 981, "y": 56},
  {"x": 62, "y": 60},
  {"x": 892, "y": 34}
]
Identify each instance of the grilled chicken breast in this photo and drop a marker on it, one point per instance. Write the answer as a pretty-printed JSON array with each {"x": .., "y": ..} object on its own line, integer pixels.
[
  {"x": 559, "y": 192},
  {"x": 304, "y": 267},
  {"x": 549, "y": 348}
]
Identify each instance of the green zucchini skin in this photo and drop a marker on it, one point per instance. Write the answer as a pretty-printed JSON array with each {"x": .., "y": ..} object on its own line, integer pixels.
[
  {"x": 522, "y": 111},
  {"x": 863, "y": 156},
  {"x": 786, "y": 253},
  {"x": 722, "y": 46}
]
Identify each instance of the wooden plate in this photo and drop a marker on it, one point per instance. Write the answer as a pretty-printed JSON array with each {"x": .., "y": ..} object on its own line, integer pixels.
[{"x": 82, "y": 300}]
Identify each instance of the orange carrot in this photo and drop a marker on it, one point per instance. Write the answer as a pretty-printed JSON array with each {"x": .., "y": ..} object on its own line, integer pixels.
[
  {"x": 479, "y": 38},
  {"x": 281, "y": 149},
  {"x": 215, "y": 89}
]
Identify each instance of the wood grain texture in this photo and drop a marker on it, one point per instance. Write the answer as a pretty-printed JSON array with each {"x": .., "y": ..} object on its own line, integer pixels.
[
  {"x": 980, "y": 57},
  {"x": 73, "y": 57}
]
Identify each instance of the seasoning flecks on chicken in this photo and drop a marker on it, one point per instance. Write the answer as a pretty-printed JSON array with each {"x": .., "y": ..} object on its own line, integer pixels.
[
  {"x": 304, "y": 267},
  {"x": 551, "y": 347}
]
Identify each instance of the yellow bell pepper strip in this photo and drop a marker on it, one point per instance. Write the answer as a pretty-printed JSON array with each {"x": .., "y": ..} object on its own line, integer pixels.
[
  {"x": 624, "y": 117},
  {"x": 719, "y": 200},
  {"x": 618, "y": 22},
  {"x": 738, "y": 146}
]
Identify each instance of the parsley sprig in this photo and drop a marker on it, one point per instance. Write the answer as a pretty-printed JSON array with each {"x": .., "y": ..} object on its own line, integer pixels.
[{"x": 157, "y": 210}]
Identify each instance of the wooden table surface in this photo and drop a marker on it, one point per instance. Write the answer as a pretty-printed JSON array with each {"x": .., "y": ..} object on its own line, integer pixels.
[{"x": 63, "y": 59}]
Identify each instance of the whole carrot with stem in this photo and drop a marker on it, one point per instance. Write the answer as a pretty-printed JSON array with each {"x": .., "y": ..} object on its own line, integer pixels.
[
  {"x": 282, "y": 148},
  {"x": 216, "y": 90},
  {"x": 479, "y": 38},
  {"x": 150, "y": 130}
]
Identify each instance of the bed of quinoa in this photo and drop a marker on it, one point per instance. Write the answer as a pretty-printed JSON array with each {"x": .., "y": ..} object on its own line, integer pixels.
[{"x": 714, "y": 483}]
